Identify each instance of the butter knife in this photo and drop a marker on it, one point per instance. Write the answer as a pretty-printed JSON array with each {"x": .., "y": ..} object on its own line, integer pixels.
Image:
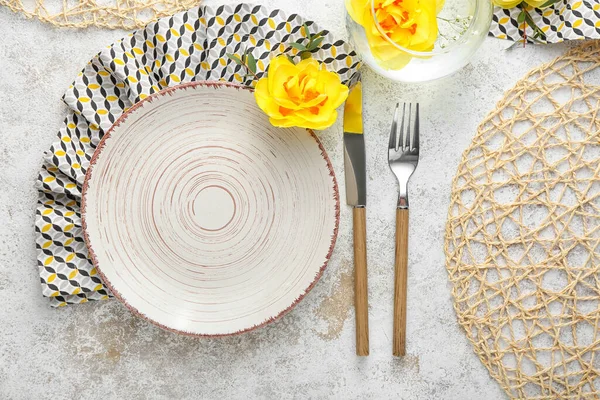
[{"x": 356, "y": 196}]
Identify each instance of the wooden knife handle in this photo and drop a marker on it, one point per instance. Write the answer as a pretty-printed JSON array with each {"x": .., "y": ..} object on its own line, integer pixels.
[
  {"x": 401, "y": 270},
  {"x": 361, "y": 302}
]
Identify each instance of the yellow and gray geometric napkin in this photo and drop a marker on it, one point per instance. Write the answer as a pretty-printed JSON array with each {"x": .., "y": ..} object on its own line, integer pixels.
[
  {"x": 189, "y": 46},
  {"x": 565, "y": 20}
]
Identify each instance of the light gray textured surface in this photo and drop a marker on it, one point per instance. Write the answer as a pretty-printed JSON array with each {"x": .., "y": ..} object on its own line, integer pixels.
[{"x": 99, "y": 350}]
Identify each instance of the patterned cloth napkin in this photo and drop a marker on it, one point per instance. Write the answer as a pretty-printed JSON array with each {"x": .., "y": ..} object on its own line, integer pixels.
[
  {"x": 189, "y": 46},
  {"x": 565, "y": 20}
]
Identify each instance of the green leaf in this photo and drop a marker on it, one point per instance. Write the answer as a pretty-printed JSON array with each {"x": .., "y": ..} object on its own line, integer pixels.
[
  {"x": 305, "y": 55},
  {"x": 549, "y": 3},
  {"x": 530, "y": 21},
  {"x": 539, "y": 37},
  {"x": 537, "y": 32},
  {"x": 298, "y": 46},
  {"x": 319, "y": 34},
  {"x": 521, "y": 17},
  {"x": 291, "y": 59},
  {"x": 316, "y": 44},
  {"x": 251, "y": 63},
  {"x": 306, "y": 31},
  {"x": 536, "y": 40},
  {"x": 235, "y": 59}
]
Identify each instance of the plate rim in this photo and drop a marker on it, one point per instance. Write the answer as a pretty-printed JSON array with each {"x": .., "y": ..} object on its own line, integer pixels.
[{"x": 92, "y": 254}]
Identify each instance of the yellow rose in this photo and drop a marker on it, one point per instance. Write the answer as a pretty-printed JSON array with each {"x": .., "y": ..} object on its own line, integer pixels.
[
  {"x": 411, "y": 24},
  {"x": 304, "y": 95}
]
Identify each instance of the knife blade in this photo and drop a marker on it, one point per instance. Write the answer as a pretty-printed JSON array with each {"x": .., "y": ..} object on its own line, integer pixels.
[
  {"x": 356, "y": 196},
  {"x": 354, "y": 149}
]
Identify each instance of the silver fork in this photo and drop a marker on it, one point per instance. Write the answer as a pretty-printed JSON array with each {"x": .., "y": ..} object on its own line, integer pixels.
[{"x": 403, "y": 157}]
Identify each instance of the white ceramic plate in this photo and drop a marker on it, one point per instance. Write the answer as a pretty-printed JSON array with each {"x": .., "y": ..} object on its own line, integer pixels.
[{"x": 202, "y": 217}]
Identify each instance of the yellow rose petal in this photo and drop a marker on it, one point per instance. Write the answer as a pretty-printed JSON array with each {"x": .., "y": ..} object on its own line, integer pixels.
[{"x": 356, "y": 9}]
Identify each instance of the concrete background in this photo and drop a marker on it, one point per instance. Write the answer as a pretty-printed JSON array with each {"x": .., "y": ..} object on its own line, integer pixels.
[{"x": 100, "y": 350}]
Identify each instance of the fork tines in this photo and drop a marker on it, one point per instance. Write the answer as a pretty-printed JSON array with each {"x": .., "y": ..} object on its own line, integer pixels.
[{"x": 409, "y": 129}]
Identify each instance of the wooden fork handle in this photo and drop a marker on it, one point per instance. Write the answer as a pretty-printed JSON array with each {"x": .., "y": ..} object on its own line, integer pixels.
[
  {"x": 361, "y": 303},
  {"x": 401, "y": 270}
]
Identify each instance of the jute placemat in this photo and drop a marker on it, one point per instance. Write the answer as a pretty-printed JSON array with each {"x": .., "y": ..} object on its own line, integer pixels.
[
  {"x": 523, "y": 233},
  {"x": 105, "y": 14}
]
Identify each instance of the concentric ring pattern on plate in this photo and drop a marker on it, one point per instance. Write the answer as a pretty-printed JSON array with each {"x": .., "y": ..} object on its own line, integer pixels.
[{"x": 204, "y": 218}]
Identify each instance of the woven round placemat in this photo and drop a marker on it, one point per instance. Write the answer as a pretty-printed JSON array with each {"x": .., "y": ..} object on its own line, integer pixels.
[
  {"x": 523, "y": 233},
  {"x": 105, "y": 14}
]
